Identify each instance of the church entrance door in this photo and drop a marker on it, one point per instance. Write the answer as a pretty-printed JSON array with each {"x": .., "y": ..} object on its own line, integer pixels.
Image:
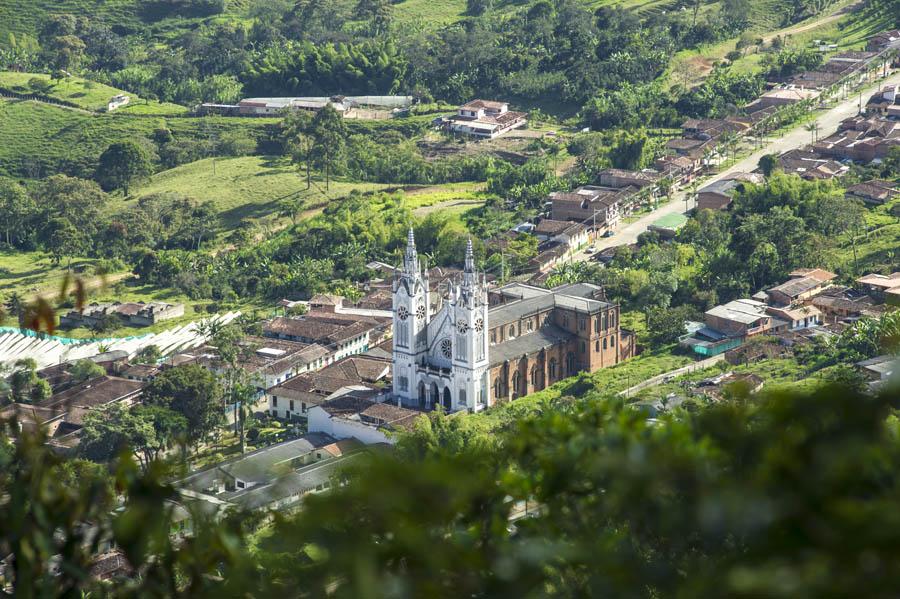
[{"x": 435, "y": 396}]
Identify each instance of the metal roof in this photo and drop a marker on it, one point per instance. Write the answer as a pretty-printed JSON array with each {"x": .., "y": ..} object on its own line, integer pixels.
[{"x": 544, "y": 337}]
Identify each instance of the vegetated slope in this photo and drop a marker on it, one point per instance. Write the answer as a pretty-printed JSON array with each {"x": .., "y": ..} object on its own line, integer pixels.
[
  {"x": 248, "y": 187},
  {"x": 86, "y": 94},
  {"x": 25, "y": 16},
  {"x": 126, "y": 16},
  {"x": 37, "y": 140}
]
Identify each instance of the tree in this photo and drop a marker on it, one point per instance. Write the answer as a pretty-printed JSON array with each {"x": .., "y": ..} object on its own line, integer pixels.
[
  {"x": 25, "y": 385},
  {"x": 667, "y": 325},
  {"x": 16, "y": 208},
  {"x": 768, "y": 163},
  {"x": 296, "y": 127},
  {"x": 84, "y": 370},
  {"x": 148, "y": 355},
  {"x": 191, "y": 391},
  {"x": 329, "y": 134},
  {"x": 145, "y": 430},
  {"x": 39, "y": 85},
  {"x": 121, "y": 164}
]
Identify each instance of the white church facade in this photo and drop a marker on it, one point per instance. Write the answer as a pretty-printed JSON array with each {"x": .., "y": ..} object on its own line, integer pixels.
[{"x": 440, "y": 359}]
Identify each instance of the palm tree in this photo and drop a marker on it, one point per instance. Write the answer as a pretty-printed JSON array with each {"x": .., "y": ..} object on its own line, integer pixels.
[
  {"x": 15, "y": 305},
  {"x": 813, "y": 129}
]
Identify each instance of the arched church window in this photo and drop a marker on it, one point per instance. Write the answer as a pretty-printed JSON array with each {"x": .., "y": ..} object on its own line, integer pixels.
[
  {"x": 497, "y": 388},
  {"x": 551, "y": 371},
  {"x": 512, "y": 331},
  {"x": 535, "y": 376},
  {"x": 516, "y": 384},
  {"x": 570, "y": 363}
]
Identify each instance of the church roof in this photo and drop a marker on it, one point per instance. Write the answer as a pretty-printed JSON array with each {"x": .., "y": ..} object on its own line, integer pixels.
[
  {"x": 533, "y": 304},
  {"x": 544, "y": 337}
]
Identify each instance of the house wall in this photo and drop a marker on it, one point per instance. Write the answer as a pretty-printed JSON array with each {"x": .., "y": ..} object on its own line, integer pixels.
[
  {"x": 321, "y": 421},
  {"x": 712, "y": 201}
]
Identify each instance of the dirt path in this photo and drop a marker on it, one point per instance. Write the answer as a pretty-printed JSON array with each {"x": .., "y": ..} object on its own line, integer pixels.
[
  {"x": 426, "y": 210},
  {"x": 837, "y": 13}
]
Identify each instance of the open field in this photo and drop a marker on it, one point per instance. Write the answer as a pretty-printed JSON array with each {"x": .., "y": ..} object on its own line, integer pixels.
[
  {"x": 37, "y": 139},
  {"x": 249, "y": 187},
  {"x": 86, "y": 94}
]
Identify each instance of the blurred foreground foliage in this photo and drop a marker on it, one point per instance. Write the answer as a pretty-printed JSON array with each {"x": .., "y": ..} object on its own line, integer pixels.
[{"x": 782, "y": 495}]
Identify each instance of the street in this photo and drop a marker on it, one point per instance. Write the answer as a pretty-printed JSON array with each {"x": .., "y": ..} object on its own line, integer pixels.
[{"x": 795, "y": 138}]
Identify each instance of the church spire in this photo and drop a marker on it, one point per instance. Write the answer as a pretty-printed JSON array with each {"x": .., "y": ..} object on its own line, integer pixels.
[
  {"x": 411, "y": 259},
  {"x": 470, "y": 280}
]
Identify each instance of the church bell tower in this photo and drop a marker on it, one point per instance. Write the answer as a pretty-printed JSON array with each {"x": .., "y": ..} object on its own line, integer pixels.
[{"x": 411, "y": 307}]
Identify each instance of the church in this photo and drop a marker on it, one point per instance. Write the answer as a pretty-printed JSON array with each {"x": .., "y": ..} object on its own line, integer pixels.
[{"x": 473, "y": 347}]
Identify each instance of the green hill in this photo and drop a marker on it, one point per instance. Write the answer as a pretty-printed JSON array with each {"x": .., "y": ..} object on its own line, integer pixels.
[
  {"x": 39, "y": 139},
  {"x": 89, "y": 95}
]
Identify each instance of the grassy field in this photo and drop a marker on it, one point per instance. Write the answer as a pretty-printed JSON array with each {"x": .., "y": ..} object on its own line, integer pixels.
[
  {"x": 37, "y": 140},
  {"x": 250, "y": 187},
  {"x": 86, "y": 94},
  {"x": 606, "y": 382}
]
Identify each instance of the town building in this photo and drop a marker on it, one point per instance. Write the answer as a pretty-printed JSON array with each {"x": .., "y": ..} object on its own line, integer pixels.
[
  {"x": 811, "y": 165},
  {"x": 485, "y": 119},
  {"x": 277, "y": 477},
  {"x": 269, "y": 361},
  {"x": 62, "y": 414},
  {"x": 803, "y": 285},
  {"x": 480, "y": 349},
  {"x": 293, "y": 398},
  {"x": 370, "y": 422},
  {"x": 597, "y": 206},
  {"x": 340, "y": 333},
  {"x": 884, "y": 40},
  {"x": 668, "y": 225},
  {"x": 875, "y": 192},
  {"x": 884, "y": 288},
  {"x": 135, "y": 314},
  {"x": 861, "y": 139},
  {"x": 718, "y": 195}
]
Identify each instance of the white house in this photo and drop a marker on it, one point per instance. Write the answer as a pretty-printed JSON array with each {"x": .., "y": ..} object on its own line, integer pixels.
[
  {"x": 485, "y": 118},
  {"x": 350, "y": 417}
]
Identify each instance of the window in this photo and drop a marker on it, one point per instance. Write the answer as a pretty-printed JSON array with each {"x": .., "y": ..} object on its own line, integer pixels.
[
  {"x": 497, "y": 387},
  {"x": 565, "y": 320},
  {"x": 240, "y": 484},
  {"x": 551, "y": 371},
  {"x": 512, "y": 331},
  {"x": 605, "y": 320},
  {"x": 581, "y": 324},
  {"x": 403, "y": 383},
  {"x": 583, "y": 347},
  {"x": 604, "y": 343},
  {"x": 462, "y": 397},
  {"x": 597, "y": 345},
  {"x": 596, "y": 325},
  {"x": 493, "y": 336},
  {"x": 516, "y": 384},
  {"x": 535, "y": 377},
  {"x": 274, "y": 401},
  {"x": 570, "y": 363},
  {"x": 292, "y": 405},
  {"x": 303, "y": 407}
]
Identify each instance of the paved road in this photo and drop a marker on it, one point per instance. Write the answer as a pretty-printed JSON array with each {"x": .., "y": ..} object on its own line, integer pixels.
[{"x": 795, "y": 138}]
